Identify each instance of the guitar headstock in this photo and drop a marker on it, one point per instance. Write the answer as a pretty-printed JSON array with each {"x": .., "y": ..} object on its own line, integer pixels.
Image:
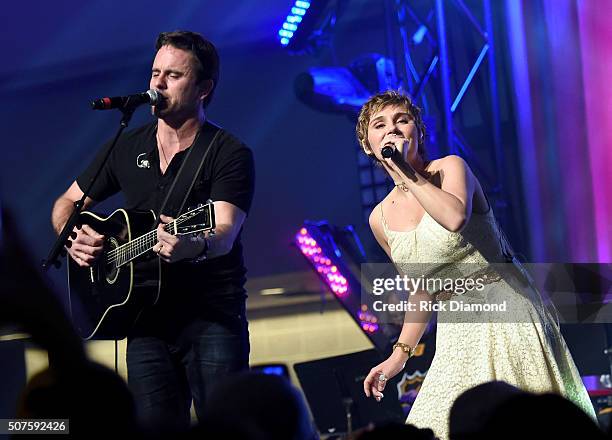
[{"x": 198, "y": 219}]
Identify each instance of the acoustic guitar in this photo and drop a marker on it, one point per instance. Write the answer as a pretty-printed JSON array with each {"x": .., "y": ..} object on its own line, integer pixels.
[{"x": 106, "y": 299}]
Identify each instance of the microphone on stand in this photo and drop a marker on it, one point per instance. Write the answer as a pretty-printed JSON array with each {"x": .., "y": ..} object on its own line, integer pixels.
[{"x": 151, "y": 97}]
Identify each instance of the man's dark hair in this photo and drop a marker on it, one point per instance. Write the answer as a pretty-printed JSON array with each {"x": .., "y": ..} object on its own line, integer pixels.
[{"x": 204, "y": 51}]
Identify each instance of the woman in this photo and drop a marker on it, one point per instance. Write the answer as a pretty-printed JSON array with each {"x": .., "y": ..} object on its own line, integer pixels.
[{"x": 438, "y": 214}]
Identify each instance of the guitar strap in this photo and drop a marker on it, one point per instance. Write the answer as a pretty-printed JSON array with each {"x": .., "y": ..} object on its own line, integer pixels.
[{"x": 190, "y": 169}]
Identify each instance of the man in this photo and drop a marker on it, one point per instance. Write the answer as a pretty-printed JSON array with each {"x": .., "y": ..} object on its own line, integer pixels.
[{"x": 197, "y": 332}]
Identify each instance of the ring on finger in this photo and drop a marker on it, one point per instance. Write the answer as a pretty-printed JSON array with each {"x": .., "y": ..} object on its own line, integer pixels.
[{"x": 382, "y": 377}]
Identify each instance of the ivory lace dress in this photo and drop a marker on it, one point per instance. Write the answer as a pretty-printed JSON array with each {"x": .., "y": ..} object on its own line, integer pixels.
[{"x": 526, "y": 350}]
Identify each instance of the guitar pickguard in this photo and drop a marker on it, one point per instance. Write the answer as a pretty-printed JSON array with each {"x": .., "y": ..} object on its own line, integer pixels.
[{"x": 111, "y": 271}]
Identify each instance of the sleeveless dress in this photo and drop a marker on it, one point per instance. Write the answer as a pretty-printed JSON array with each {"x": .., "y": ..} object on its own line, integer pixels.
[{"x": 527, "y": 352}]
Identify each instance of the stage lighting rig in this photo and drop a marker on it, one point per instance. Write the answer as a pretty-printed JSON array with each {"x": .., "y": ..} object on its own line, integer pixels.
[
  {"x": 346, "y": 89},
  {"x": 309, "y": 25}
]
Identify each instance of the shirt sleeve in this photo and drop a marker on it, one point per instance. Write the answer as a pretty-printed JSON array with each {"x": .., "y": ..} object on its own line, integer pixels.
[
  {"x": 234, "y": 179},
  {"x": 106, "y": 183}
]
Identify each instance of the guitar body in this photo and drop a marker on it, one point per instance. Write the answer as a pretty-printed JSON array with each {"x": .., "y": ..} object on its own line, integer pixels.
[{"x": 105, "y": 300}]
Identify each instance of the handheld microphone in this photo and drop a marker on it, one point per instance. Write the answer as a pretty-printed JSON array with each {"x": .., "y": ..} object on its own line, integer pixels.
[
  {"x": 151, "y": 97},
  {"x": 388, "y": 150}
]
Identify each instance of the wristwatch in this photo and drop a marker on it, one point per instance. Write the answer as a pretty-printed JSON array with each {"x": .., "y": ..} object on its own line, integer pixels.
[{"x": 202, "y": 255}]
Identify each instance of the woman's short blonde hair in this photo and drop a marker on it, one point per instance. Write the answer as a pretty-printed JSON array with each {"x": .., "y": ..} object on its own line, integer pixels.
[{"x": 377, "y": 103}]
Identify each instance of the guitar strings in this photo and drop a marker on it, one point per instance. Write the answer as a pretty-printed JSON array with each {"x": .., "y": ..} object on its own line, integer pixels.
[
  {"x": 125, "y": 249},
  {"x": 142, "y": 244},
  {"x": 137, "y": 242},
  {"x": 123, "y": 252},
  {"x": 131, "y": 250}
]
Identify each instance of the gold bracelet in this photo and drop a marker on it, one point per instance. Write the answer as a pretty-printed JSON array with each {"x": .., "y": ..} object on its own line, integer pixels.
[{"x": 405, "y": 348}]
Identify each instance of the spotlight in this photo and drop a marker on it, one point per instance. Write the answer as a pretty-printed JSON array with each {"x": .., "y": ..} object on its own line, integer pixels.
[
  {"x": 346, "y": 89},
  {"x": 331, "y": 89}
]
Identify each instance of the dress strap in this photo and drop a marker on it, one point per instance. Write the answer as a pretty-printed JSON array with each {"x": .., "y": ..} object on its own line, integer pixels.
[{"x": 384, "y": 221}]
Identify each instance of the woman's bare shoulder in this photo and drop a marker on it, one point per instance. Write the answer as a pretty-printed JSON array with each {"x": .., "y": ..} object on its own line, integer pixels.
[
  {"x": 446, "y": 163},
  {"x": 375, "y": 218}
]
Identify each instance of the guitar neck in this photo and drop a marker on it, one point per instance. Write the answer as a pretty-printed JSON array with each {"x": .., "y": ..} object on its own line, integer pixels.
[{"x": 138, "y": 246}]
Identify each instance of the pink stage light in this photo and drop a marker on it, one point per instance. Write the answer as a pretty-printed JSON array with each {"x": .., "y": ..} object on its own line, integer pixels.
[
  {"x": 331, "y": 275},
  {"x": 367, "y": 320}
]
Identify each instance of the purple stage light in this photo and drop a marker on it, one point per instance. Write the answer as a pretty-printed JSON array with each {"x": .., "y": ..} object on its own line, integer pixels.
[
  {"x": 368, "y": 321},
  {"x": 336, "y": 255},
  {"x": 321, "y": 263}
]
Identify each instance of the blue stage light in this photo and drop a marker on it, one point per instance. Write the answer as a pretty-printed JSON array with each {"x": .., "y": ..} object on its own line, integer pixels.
[
  {"x": 311, "y": 24},
  {"x": 419, "y": 35},
  {"x": 345, "y": 90},
  {"x": 333, "y": 89},
  {"x": 294, "y": 19}
]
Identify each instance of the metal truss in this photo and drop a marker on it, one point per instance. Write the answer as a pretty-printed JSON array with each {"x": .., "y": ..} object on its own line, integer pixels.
[{"x": 420, "y": 53}]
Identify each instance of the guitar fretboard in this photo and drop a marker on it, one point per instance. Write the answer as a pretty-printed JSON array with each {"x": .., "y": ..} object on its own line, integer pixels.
[
  {"x": 137, "y": 247},
  {"x": 134, "y": 248}
]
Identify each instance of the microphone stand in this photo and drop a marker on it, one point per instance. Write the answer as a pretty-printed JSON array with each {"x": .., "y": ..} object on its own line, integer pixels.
[
  {"x": 347, "y": 402},
  {"x": 62, "y": 238}
]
